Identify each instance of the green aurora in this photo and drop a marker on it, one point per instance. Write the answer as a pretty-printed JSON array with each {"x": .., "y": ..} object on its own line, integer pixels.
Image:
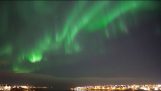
[{"x": 61, "y": 30}]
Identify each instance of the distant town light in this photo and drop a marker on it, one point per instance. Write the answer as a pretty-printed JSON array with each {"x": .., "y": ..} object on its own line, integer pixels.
[{"x": 145, "y": 87}]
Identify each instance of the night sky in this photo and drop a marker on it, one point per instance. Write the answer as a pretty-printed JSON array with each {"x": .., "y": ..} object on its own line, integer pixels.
[{"x": 81, "y": 39}]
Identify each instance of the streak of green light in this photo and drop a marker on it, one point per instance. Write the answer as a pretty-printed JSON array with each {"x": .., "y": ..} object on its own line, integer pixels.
[
  {"x": 105, "y": 19},
  {"x": 72, "y": 28}
]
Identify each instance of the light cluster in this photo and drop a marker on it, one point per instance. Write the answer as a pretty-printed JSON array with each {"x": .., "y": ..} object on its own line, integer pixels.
[
  {"x": 147, "y": 87},
  {"x": 17, "y": 87},
  {"x": 9, "y": 88}
]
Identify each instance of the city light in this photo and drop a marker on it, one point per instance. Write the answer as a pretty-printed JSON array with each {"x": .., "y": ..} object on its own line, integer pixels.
[
  {"x": 5, "y": 87},
  {"x": 146, "y": 87}
]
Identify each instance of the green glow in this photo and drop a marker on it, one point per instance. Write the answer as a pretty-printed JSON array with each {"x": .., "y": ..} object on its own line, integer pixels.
[
  {"x": 21, "y": 70},
  {"x": 34, "y": 57},
  {"x": 72, "y": 28},
  {"x": 105, "y": 19},
  {"x": 35, "y": 54},
  {"x": 67, "y": 31},
  {"x": 21, "y": 67},
  {"x": 122, "y": 26},
  {"x": 78, "y": 7},
  {"x": 59, "y": 27}
]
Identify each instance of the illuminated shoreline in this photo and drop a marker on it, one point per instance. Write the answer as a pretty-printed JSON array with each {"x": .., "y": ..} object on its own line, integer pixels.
[
  {"x": 5, "y": 87},
  {"x": 134, "y": 87}
]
